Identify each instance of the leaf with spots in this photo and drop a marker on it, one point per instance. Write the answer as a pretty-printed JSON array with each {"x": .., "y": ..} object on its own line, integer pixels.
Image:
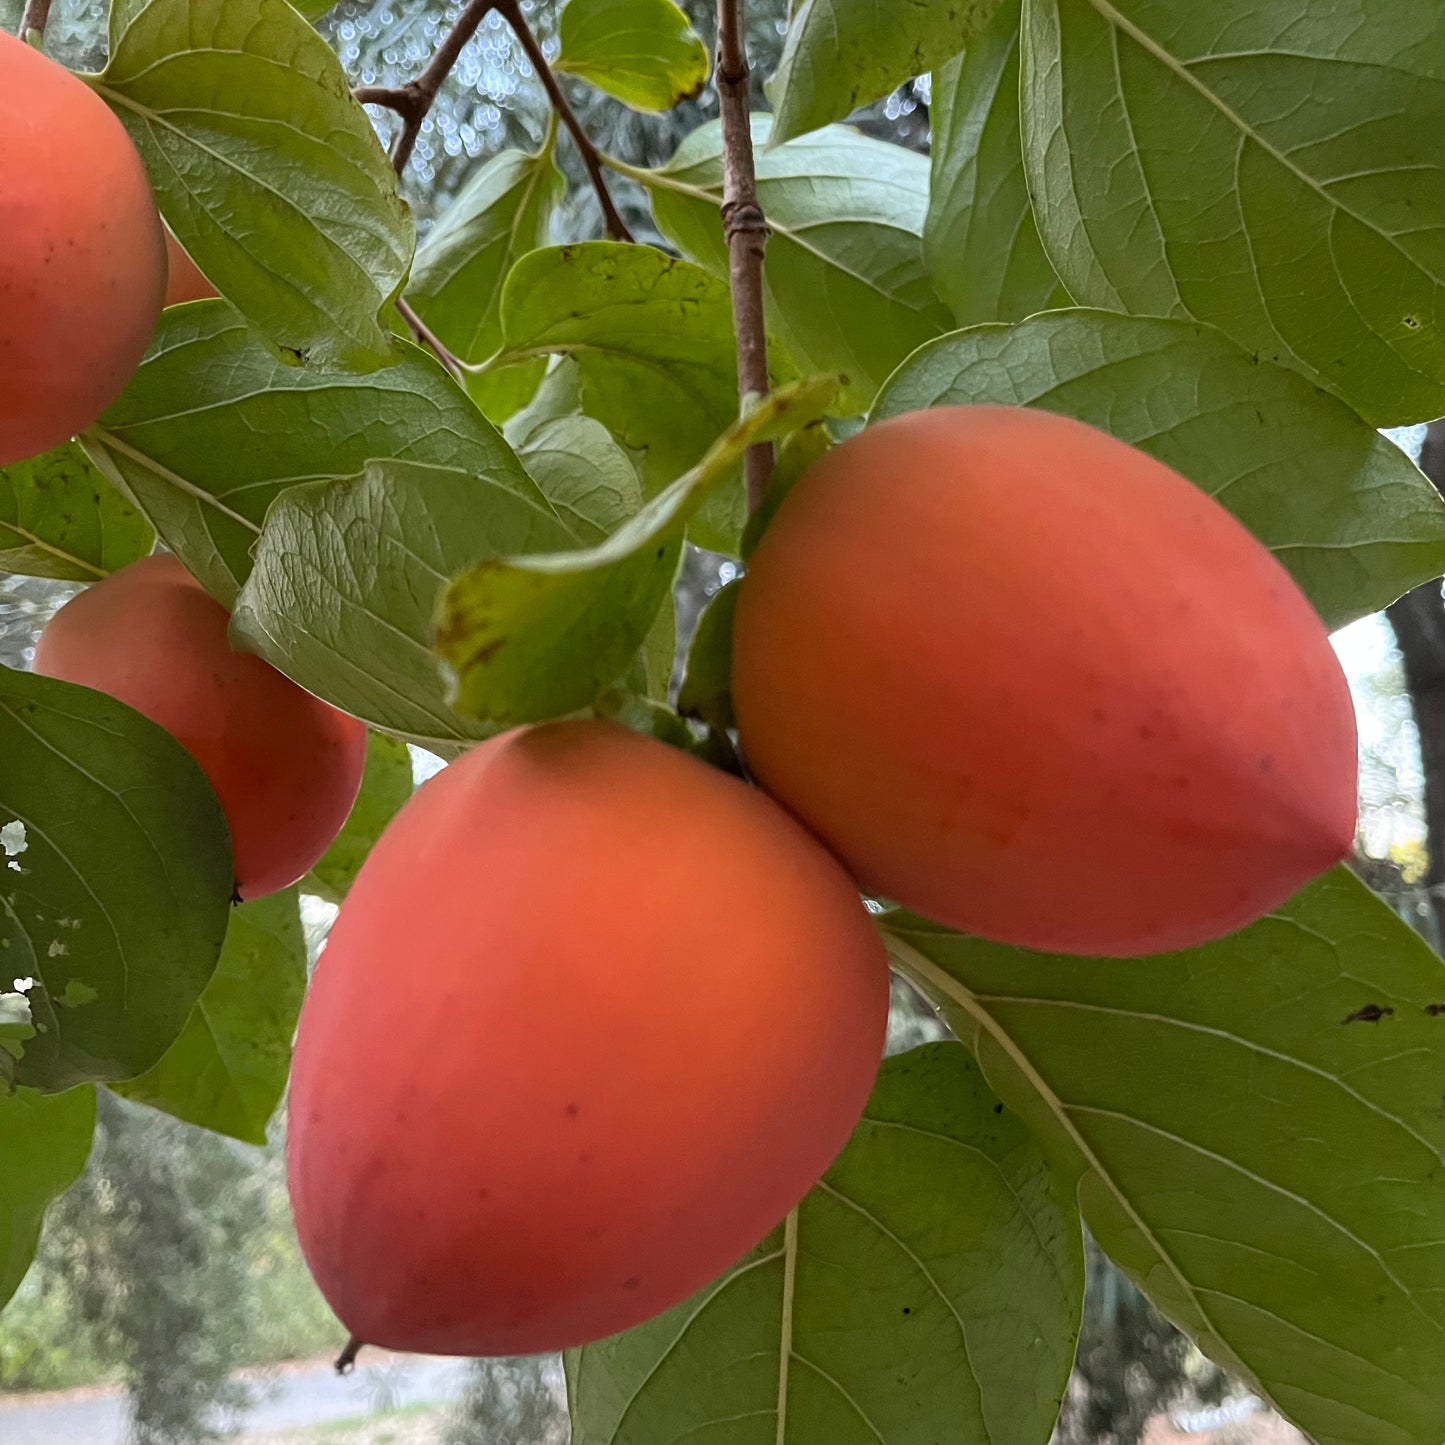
[
  {"x": 1269, "y": 166},
  {"x": 928, "y": 1289},
  {"x": 1344, "y": 509},
  {"x": 60, "y": 518},
  {"x": 535, "y": 637},
  {"x": 266, "y": 170},
  {"x": 115, "y": 880},
  {"x": 1266, "y": 1161},
  {"x": 212, "y": 429}
]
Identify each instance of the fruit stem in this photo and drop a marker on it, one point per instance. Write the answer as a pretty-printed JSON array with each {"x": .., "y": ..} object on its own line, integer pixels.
[
  {"x": 745, "y": 227},
  {"x": 346, "y": 1360}
]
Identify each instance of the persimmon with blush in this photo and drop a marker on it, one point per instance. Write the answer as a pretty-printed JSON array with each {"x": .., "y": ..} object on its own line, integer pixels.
[
  {"x": 592, "y": 1019},
  {"x": 1027, "y": 680},
  {"x": 285, "y": 765},
  {"x": 82, "y": 261}
]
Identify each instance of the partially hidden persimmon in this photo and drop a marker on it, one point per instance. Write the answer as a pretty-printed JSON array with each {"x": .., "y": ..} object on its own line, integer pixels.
[
  {"x": 285, "y": 765},
  {"x": 1030, "y": 682},
  {"x": 184, "y": 281},
  {"x": 82, "y": 254},
  {"x": 593, "y": 1017}
]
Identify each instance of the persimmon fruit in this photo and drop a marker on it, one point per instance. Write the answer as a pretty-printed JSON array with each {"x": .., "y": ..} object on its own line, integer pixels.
[
  {"x": 593, "y": 1017},
  {"x": 1030, "y": 682},
  {"x": 184, "y": 281},
  {"x": 82, "y": 263},
  {"x": 285, "y": 765}
]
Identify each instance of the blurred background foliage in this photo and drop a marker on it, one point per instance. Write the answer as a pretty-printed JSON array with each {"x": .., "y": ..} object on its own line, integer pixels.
[{"x": 173, "y": 1263}]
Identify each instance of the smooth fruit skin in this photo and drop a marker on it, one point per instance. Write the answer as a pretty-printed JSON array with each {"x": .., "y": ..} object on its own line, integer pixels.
[
  {"x": 593, "y": 1018},
  {"x": 184, "y": 281},
  {"x": 285, "y": 765},
  {"x": 82, "y": 260},
  {"x": 1028, "y": 681}
]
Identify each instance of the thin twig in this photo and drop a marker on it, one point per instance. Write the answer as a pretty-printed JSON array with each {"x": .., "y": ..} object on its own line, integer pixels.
[
  {"x": 346, "y": 1360},
  {"x": 414, "y": 100},
  {"x": 428, "y": 338},
  {"x": 745, "y": 228},
  {"x": 32, "y": 22},
  {"x": 511, "y": 12}
]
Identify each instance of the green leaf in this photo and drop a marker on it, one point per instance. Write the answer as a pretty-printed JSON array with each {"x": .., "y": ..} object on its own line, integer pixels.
[
  {"x": 385, "y": 786},
  {"x": 641, "y": 52},
  {"x": 269, "y": 174},
  {"x": 583, "y": 473},
  {"x": 536, "y": 637},
  {"x": 840, "y": 54},
  {"x": 980, "y": 239},
  {"x": 212, "y": 429},
  {"x": 504, "y": 211},
  {"x": 792, "y": 459},
  {"x": 347, "y": 575},
  {"x": 845, "y": 286},
  {"x": 706, "y": 691},
  {"x": 928, "y": 1289},
  {"x": 60, "y": 518},
  {"x": 44, "y": 1141},
  {"x": 115, "y": 880},
  {"x": 1343, "y": 508},
  {"x": 1270, "y": 168},
  {"x": 1262, "y": 1155},
  {"x": 227, "y": 1070},
  {"x": 652, "y": 341}
]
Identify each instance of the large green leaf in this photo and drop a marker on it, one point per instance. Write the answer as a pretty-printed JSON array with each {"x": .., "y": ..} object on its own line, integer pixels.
[
  {"x": 845, "y": 286},
  {"x": 44, "y": 1141},
  {"x": 583, "y": 473},
  {"x": 840, "y": 54},
  {"x": 535, "y": 637},
  {"x": 116, "y": 880},
  {"x": 60, "y": 518},
  {"x": 228, "y": 1068},
  {"x": 645, "y": 53},
  {"x": 1258, "y": 1137},
  {"x": 385, "y": 786},
  {"x": 347, "y": 575},
  {"x": 1264, "y": 165},
  {"x": 269, "y": 174},
  {"x": 929, "y": 1289},
  {"x": 1345, "y": 510},
  {"x": 980, "y": 239},
  {"x": 504, "y": 211},
  {"x": 212, "y": 429}
]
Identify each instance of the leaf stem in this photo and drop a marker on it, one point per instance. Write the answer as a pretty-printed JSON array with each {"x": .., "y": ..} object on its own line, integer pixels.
[
  {"x": 414, "y": 100},
  {"x": 32, "y": 22},
  {"x": 745, "y": 227},
  {"x": 511, "y": 11},
  {"x": 428, "y": 338}
]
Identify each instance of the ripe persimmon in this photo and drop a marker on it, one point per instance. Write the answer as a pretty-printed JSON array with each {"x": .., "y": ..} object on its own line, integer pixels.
[
  {"x": 593, "y": 1017},
  {"x": 1030, "y": 682},
  {"x": 285, "y": 765},
  {"x": 82, "y": 263}
]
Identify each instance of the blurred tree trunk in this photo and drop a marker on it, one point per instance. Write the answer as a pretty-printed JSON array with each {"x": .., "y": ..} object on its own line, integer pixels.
[{"x": 1419, "y": 622}]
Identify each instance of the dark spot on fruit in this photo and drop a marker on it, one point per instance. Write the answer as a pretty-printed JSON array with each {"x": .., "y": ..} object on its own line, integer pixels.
[
  {"x": 631, "y": 1282},
  {"x": 1266, "y": 765},
  {"x": 572, "y": 1111}
]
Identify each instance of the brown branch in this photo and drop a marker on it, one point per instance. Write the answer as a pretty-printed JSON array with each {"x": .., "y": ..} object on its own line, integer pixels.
[
  {"x": 745, "y": 228},
  {"x": 428, "y": 338},
  {"x": 511, "y": 11},
  {"x": 415, "y": 99},
  {"x": 37, "y": 12}
]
